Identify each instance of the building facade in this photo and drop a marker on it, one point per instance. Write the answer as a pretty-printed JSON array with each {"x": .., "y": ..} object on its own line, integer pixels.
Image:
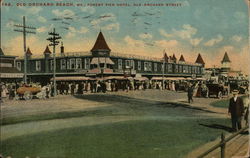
[
  {"x": 8, "y": 70},
  {"x": 101, "y": 61}
]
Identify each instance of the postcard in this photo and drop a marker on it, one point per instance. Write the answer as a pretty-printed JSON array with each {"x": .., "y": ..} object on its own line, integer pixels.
[{"x": 124, "y": 78}]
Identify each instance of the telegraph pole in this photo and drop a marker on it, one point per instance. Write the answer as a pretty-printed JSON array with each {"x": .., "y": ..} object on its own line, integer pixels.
[
  {"x": 54, "y": 41},
  {"x": 25, "y": 31}
]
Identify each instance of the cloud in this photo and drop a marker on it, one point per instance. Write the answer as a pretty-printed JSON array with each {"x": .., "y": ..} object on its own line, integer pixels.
[
  {"x": 88, "y": 9},
  {"x": 164, "y": 33},
  {"x": 64, "y": 13},
  {"x": 166, "y": 44},
  {"x": 106, "y": 17},
  {"x": 114, "y": 26},
  {"x": 31, "y": 10},
  {"x": 186, "y": 33},
  {"x": 73, "y": 31},
  {"x": 41, "y": 29},
  {"x": 195, "y": 41},
  {"x": 214, "y": 41},
  {"x": 236, "y": 38},
  {"x": 133, "y": 42},
  {"x": 83, "y": 30},
  {"x": 41, "y": 19},
  {"x": 145, "y": 36}
]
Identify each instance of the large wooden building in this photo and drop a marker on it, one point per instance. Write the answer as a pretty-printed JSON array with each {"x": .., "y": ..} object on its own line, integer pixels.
[{"x": 101, "y": 61}]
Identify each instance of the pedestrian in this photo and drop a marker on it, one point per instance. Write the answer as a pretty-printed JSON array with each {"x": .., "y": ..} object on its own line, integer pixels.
[
  {"x": 190, "y": 92},
  {"x": 72, "y": 88},
  {"x": 236, "y": 109}
]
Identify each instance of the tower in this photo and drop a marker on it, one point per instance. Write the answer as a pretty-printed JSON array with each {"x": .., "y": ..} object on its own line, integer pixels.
[{"x": 225, "y": 63}]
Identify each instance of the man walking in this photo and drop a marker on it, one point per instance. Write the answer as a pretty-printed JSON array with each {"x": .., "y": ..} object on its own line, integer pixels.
[
  {"x": 236, "y": 109},
  {"x": 190, "y": 91}
]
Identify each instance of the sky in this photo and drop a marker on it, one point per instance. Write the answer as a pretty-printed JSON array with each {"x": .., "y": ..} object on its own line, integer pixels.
[{"x": 208, "y": 27}]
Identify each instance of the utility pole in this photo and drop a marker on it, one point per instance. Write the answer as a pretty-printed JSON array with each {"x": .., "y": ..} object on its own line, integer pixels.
[
  {"x": 163, "y": 70},
  {"x": 25, "y": 31},
  {"x": 54, "y": 41}
]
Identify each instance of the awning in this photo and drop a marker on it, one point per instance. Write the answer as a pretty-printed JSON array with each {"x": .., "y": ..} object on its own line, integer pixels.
[
  {"x": 115, "y": 78},
  {"x": 141, "y": 78},
  {"x": 71, "y": 78},
  {"x": 100, "y": 60},
  {"x": 11, "y": 75}
]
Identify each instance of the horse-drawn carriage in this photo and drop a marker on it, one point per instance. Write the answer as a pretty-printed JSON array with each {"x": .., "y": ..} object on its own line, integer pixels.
[
  {"x": 217, "y": 90},
  {"x": 29, "y": 93}
]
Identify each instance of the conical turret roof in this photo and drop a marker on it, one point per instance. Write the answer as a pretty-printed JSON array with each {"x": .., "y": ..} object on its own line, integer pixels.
[
  {"x": 225, "y": 58},
  {"x": 47, "y": 50},
  {"x": 174, "y": 58},
  {"x": 100, "y": 43},
  {"x": 182, "y": 58},
  {"x": 165, "y": 57},
  {"x": 28, "y": 52},
  {"x": 199, "y": 60},
  {"x": 1, "y": 51}
]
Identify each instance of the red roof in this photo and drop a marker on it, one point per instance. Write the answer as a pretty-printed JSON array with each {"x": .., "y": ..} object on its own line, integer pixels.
[
  {"x": 28, "y": 52},
  {"x": 174, "y": 58},
  {"x": 182, "y": 58},
  {"x": 199, "y": 60},
  {"x": 165, "y": 57},
  {"x": 47, "y": 50},
  {"x": 100, "y": 43}
]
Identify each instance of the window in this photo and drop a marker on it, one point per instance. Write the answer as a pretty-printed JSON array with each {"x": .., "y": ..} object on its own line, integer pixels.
[
  {"x": 68, "y": 64},
  {"x": 19, "y": 66},
  {"x": 139, "y": 65},
  {"x": 78, "y": 63},
  {"x": 87, "y": 63},
  {"x": 180, "y": 69},
  {"x": 176, "y": 68},
  {"x": 189, "y": 69},
  {"x": 155, "y": 67},
  {"x": 150, "y": 66},
  {"x": 132, "y": 64},
  {"x": 51, "y": 65},
  {"x": 119, "y": 64},
  {"x": 147, "y": 66},
  {"x": 170, "y": 69},
  {"x": 127, "y": 64},
  {"x": 72, "y": 63},
  {"x": 63, "y": 64},
  {"x": 38, "y": 65}
]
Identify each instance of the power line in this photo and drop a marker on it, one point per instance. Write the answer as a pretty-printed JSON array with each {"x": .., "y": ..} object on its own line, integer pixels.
[
  {"x": 54, "y": 42},
  {"x": 24, "y": 30}
]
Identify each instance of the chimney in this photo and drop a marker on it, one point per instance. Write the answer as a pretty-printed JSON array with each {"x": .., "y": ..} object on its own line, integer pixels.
[{"x": 62, "y": 49}]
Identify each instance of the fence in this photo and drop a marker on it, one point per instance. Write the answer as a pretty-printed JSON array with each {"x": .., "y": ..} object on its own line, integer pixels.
[{"x": 222, "y": 144}]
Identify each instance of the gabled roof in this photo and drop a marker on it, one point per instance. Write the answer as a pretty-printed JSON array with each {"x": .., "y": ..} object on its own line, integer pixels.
[
  {"x": 1, "y": 51},
  {"x": 47, "y": 50},
  {"x": 199, "y": 60},
  {"x": 182, "y": 58},
  {"x": 100, "y": 43},
  {"x": 225, "y": 58},
  {"x": 28, "y": 52}
]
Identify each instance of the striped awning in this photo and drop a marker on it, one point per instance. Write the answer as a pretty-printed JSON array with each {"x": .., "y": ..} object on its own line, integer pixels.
[{"x": 101, "y": 60}]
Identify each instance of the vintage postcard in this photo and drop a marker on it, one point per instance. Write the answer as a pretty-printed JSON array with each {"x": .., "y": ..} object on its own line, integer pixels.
[{"x": 124, "y": 79}]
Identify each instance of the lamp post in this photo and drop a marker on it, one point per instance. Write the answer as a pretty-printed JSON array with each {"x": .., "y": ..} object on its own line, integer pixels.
[{"x": 54, "y": 41}]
